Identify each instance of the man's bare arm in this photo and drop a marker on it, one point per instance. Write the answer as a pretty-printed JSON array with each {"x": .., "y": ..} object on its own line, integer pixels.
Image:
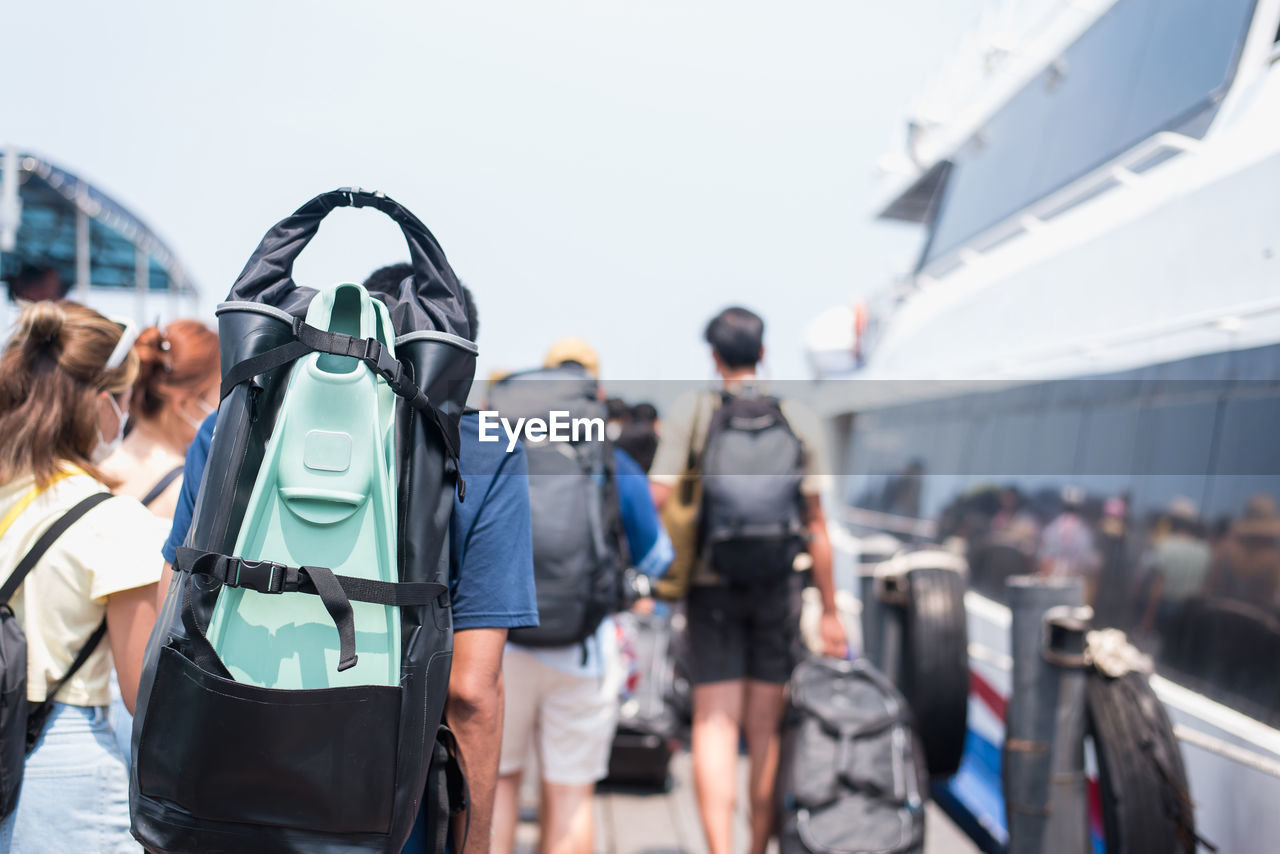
[
  {"x": 660, "y": 492},
  {"x": 834, "y": 642},
  {"x": 474, "y": 713}
]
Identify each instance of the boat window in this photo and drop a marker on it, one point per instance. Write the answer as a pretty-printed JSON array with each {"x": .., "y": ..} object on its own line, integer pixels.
[
  {"x": 1108, "y": 448},
  {"x": 1143, "y": 67},
  {"x": 1181, "y": 498},
  {"x": 1174, "y": 446}
]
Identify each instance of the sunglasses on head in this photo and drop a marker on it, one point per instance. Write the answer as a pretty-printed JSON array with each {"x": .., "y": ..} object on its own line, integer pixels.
[{"x": 128, "y": 334}]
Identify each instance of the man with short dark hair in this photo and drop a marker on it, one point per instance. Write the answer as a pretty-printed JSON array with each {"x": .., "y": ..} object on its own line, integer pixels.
[{"x": 741, "y": 637}]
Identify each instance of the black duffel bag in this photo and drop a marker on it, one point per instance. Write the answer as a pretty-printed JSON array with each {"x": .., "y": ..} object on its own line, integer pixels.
[{"x": 851, "y": 778}]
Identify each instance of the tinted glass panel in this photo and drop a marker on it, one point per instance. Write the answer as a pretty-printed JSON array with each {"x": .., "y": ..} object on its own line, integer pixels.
[
  {"x": 1174, "y": 442},
  {"x": 1144, "y": 66},
  {"x": 1096, "y": 86},
  {"x": 1107, "y": 452},
  {"x": 1178, "y": 505}
]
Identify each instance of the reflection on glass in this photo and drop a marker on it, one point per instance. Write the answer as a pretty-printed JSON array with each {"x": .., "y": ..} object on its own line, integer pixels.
[{"x": 1164, "y": 495}]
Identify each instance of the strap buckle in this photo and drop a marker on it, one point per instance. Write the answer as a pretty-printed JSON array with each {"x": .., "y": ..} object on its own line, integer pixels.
[
  {"x": 263, "y": 576},
  {"x": 391, "y": 368}
]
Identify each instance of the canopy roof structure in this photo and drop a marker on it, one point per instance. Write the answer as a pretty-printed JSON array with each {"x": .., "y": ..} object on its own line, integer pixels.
[{"x": 52, "y": 218}]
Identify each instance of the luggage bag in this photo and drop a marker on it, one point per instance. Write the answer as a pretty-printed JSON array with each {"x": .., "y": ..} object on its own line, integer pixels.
[
  {"x": 851, "y": 776},
  {"x": 647, "y": 721},
  {"x": 295, "y": 705}
]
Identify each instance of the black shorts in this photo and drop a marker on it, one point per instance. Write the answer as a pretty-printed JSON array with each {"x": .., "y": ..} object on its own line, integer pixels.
[{"x": 743, "y": 632}]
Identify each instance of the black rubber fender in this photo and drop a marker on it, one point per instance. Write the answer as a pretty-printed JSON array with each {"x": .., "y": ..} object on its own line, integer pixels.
[
  {"x": 935, "y": 668},
  {"x": 1146, "y": 805}
]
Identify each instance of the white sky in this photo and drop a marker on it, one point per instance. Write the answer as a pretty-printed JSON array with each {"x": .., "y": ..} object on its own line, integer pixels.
[{"x": 614, "y": 170}]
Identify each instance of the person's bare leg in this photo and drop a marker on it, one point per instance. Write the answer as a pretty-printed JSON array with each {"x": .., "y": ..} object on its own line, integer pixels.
[
  {"x": 762, "y": 720},
  {"x": 717, "y": 718},
  {"x": 567, "y": 818},
  {"x": 506, "y": 812}
]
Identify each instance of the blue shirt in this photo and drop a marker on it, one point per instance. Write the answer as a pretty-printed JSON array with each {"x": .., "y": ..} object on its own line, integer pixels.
[
  {"x": 651, "y": 553},
  {"x": 490, "y": 539}
]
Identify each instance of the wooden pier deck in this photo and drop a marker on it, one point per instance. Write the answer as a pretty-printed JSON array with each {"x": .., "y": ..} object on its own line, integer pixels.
[{"x": 630, "y": 821}]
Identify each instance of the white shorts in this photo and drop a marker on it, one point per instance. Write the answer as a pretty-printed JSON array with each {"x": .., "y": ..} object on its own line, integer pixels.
[{"x": 569, "y": 720}]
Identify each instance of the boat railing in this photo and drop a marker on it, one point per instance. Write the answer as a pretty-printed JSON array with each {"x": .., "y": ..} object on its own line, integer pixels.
[{"x": 1124, "y": 171}]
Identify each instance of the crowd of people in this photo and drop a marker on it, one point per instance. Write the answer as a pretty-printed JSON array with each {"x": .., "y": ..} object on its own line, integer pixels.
[
  {"x": 1203, "y": 596},
  {"x": 90, "y": 407}
]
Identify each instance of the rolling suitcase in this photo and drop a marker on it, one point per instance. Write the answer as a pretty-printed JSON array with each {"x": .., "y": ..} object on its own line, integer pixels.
[{"x": 647, "y": 723}]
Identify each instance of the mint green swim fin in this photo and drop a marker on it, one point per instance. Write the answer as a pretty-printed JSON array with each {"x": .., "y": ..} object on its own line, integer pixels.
[{"x": 325, "y": 496}]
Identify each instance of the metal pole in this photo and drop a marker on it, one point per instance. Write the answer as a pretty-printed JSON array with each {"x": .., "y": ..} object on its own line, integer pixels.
[
  {"x": 10, "y": 219},
  {"x": 1033, "y": 705},
  {"x": 82, "y": 247},
  {"x": 892, "y": 592},
  {"x": 10, "y": 201},
  {"x": 870, "y": 614},
  {"x": 141, "y": 271},
  {"x": 1067, "y": 831}
]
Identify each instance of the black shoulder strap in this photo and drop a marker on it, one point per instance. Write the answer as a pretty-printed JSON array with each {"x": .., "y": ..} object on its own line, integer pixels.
[
  {"x": 39, "y": 712},
  {"x": 161, "y": 485},
  {"x": 335, "y": 591},
  {"x": 694, "y": 460},
  {"x": 47, "y": 539},
  {"x": 310, "y": 339},
  {"x": 81, "y": 657}
]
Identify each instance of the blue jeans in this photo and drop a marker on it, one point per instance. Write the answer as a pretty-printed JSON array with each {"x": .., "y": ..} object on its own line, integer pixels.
[{"x": 75, "y": 790}]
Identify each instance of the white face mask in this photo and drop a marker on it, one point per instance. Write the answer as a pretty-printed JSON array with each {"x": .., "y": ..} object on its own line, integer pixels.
[
  {"x": 105, "y": 448},
  {"x": 205, "y": 408}
]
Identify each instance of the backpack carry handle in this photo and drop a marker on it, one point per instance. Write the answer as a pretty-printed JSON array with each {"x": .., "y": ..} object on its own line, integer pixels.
[{"x": 268, "y": 275}]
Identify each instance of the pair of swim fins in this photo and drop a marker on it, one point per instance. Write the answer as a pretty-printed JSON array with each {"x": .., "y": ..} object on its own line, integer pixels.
[{"x": 325, "y": 495}]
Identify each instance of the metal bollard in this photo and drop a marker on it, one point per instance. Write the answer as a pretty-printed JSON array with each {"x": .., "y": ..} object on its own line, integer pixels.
[
  {"x": 1033, "y": 708},
  {"x": 870, "y": 615},
  {"x": 1067, "y": 831},
  {"x": 892, "y": 594}
]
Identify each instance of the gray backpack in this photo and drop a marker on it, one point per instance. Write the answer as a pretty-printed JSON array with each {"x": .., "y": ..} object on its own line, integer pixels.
[
  {"x": 851, "y": 777},
  {"x": 578, "y": 550},
  {"x": 752, "y": 511}
]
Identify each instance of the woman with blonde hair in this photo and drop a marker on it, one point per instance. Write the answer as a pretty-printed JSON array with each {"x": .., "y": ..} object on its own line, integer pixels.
[
  {"x": 176, "y": 389},
  {"x": 66, "y": 375}
]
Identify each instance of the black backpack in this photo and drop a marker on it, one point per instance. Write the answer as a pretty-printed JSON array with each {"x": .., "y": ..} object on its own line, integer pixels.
[
  {"x": 22, "y": 722},
  {"x": 851, "y": 777},
  {"x": 752, "y": 512},
  {"x": 578, "y": 550},
  {"x": 221, "y": 765}
]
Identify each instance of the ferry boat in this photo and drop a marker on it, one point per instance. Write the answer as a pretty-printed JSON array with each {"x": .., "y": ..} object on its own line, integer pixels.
[
  {"x": 58, "y": 226},
  {"x": 1095, "y": 310}
]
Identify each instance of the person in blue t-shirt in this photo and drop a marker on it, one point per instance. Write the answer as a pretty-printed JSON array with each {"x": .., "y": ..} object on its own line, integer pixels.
[
  {"x": 491, "y": 587},
  {"x": 563, "y": 701}
]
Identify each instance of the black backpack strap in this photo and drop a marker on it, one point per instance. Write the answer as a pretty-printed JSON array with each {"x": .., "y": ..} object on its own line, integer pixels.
[
  {"x": 39, "y": 712},
  {"x": 161, "y": 485},
  {"x": 335, "y": 591},
  {"x": 46, "y": 540},
  {"x": 311, "y": 339},
  {"x": 447, "y": 793}
]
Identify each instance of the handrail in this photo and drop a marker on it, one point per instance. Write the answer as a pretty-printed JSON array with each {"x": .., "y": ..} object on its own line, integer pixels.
[
  {"x": 923, "y": 528},
  {"x": 1116, "y": 172}
]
